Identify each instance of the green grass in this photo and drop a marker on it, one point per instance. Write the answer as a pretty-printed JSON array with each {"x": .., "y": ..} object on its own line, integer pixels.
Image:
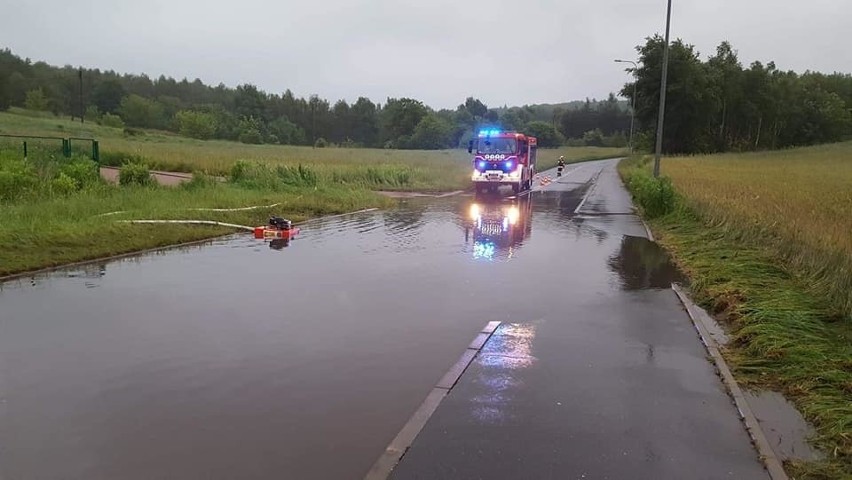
[
  {"x": 376, "y": 169},
  {"x": 64, "y": 229},
  {"x": 46, "y": 219},
  {"x": 789, "y": 332}
]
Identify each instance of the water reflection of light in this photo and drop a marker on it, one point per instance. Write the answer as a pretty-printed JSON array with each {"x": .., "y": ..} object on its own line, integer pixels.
[
  {"x": 507, "y": 351},
  {"x": 483, "y": 250},
  {"x": 498, "y": 227},
  {"x": 513, "y": 214},
  {"x": 475, "y": 214}
]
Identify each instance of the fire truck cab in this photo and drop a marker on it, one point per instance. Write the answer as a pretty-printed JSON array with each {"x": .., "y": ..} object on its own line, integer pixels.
[{"x": 502, "y": 158}]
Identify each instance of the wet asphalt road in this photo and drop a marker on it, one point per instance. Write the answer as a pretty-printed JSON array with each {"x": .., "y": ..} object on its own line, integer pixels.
[
  {"x": 237, "y": 360},
  {"x": 610, "y": 383}
]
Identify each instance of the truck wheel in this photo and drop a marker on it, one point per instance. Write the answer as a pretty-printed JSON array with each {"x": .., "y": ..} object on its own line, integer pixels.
[{"x": 516, "y": 187}]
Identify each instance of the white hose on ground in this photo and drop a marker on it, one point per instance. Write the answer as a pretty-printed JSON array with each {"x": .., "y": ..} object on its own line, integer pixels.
[
  {"x": 193, "y": 222},
  {"x": 242, "y": 209}
]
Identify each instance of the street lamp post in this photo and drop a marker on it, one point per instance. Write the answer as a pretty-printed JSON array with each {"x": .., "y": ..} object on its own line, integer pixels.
[
  {"x": 633, "y": 106},
  {"x": 663, "y": 94}
]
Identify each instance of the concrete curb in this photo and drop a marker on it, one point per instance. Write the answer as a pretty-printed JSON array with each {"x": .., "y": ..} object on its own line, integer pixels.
[
  {"x": 647, "y": 230},
  {"x": 771, "y": 462},
  {"x": 394, "y": 452}
]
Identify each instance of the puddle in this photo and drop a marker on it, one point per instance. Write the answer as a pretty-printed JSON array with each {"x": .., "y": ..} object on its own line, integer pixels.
[
  {"x": 785, "y": 428},
  {"x": 641, "y": 264}
]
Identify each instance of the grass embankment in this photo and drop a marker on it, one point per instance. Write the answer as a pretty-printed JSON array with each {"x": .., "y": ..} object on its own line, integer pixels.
[
  {"x": 50, "y": 206},
  {"x": 765, "y": 237}
]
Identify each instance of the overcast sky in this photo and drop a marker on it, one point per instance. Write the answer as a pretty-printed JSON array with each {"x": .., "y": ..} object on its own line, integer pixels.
[{"x": 438, "y": 51}]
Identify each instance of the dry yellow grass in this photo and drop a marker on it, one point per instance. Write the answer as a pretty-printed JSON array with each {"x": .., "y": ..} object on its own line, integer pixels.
[{"x": 798, "y": 200}]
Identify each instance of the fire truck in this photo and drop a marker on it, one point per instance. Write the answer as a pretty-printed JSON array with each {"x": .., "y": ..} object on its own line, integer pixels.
[{"x": 502, "y": 158}]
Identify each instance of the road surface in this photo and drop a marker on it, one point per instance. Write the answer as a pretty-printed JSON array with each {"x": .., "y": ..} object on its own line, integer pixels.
[{"x": 303, "y": 361}]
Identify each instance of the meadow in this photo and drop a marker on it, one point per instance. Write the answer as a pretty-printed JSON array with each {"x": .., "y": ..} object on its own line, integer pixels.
[
  {"x": 376, "y": 169},
  {"x": 765, "y": 239},
  {"x": 51, "y": 207}
]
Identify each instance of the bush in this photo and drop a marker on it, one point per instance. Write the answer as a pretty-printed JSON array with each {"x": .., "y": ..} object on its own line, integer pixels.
[
  {"x": 298, "y": 176},
  {"x": 92, "y": 114},
  {"x": 199, "y": 180},
  {"x": 656, "y": 196},
  {"x": 251, "y": 136},
  {"x": 321, "y": 143},
  {"x": 17, "y": 179},
  {"x": 63, "y": 185},
  {"x": 36, "y": 100},
  {"x": 82, "y": 171},
  {"x": 262, "y": 176},
  {"x": 594, "y": 138},
  {"x": 117, "y": 159},
  {"x": 195, "y": 124},
  {"x": 111, "y": 120},
  {"x": 134, "y": 174}
]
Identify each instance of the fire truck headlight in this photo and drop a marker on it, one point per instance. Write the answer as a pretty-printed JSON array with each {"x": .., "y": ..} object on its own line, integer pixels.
[{"x": 474, "y": 212}]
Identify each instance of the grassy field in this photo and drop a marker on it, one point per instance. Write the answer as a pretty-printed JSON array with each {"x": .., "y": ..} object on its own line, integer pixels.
[
  {"x": 412, "y": 170},
  {"x": 765, "y": 237},
  {"x": 798, "y": 201},
  {"x": 50, "y": 210}
]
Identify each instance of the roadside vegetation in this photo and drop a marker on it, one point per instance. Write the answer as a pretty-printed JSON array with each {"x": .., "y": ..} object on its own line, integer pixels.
[
  {"x": 51, "y": 207},
  {"x": 57, "y": 213},
  {"x": 765, "y": 239}
]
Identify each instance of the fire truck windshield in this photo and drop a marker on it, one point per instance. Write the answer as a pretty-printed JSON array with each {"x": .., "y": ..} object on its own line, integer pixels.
[{"x": 497, "y": 145}]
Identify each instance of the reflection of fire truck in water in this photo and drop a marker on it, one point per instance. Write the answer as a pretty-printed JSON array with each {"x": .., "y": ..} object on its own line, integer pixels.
[
  {"x": 503, "y": 158},
  {"x": 498, "y": 229}
]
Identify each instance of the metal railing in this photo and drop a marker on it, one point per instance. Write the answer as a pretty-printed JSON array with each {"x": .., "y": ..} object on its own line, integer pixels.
[{"x": 67, "y": 148}]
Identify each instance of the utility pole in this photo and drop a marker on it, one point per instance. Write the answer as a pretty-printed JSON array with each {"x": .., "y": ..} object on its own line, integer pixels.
[
  {"x": 663, "y": 94},
  {"x": 82, "y": 110},
  {"x": 633, "y": 106}
]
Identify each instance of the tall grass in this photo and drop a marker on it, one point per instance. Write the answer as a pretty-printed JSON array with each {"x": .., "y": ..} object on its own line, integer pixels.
[
  {"x": 797, "y": 203},
  {"x": 757, "y": 234}
]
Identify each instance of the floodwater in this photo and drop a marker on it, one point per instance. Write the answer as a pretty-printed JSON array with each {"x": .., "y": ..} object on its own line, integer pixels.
[{"x": 244, "y": 359}]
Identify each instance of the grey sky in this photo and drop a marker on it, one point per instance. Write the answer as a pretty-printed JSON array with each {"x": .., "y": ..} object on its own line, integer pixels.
[{"x": 438, "y": 51}]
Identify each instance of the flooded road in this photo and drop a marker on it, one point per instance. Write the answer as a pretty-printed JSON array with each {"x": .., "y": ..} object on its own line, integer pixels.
[{"x": 302, "y": 361}]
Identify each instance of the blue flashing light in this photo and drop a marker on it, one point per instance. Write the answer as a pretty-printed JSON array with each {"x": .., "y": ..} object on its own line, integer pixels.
[
  {"x": 509, "y": 164},
  {"x": 482, "y": 164},
  {"x": 489, "y": 133},
  {"x": 484, "y": 250}
]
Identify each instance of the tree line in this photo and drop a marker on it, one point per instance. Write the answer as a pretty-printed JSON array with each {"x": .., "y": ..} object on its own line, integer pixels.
[
  {"x": 713, "y": 105},
  {"x": 718, "y": 105},
  {"x": 250, "y": 115}
]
